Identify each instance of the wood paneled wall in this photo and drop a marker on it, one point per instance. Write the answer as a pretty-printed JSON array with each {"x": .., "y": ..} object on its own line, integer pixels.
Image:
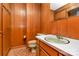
[
  {"x": 46, "y": 19},
  {"x": 33, "y": 20},
  {"x": 73, "y": 27},
  {"x": 60, "y": 27},
  {"x": 25, "y": 20},
  {"x": 67, "y": 27},
  {"x": 18, "y": 18}
]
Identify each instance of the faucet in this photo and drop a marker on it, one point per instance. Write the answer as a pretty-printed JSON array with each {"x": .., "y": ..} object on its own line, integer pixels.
[{"x": 59, "y": 36}]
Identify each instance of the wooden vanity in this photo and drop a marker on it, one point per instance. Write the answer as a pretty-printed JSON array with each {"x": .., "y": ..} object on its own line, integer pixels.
[{"x": 45, "y": 50}]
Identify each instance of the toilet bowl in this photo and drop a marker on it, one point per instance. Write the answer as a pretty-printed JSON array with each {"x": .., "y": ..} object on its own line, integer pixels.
[{"x": 32, "y": 46}]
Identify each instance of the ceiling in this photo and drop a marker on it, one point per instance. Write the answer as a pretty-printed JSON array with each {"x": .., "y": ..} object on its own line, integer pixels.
[{"x": 55, "y": 6}]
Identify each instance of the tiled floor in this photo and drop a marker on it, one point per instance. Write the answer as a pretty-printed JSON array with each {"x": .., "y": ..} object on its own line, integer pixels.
[{"x": 20, "y": 51}]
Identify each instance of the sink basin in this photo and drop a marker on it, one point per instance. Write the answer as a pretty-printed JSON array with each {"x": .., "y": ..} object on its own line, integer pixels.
[{"x": 56, "y": 40}]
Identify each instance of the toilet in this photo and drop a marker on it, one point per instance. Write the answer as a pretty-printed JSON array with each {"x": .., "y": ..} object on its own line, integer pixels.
[{"x": 32, "y": 46}]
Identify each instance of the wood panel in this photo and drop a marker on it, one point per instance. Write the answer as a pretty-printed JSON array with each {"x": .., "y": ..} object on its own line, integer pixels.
[
  {"x": 18, "y": 17},
  {"x": 6, "y": 31},
  {"x": 55, "y": 28},
  {"x": 46, "y": 18},
  {"x": 33, "y": 20},
  {"x": 73, "y": 27},
  {"x": 67, "y": 27},
  {"x": 62, "y": 27}
]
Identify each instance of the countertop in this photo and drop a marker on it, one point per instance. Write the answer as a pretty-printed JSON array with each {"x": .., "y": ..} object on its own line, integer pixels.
[{"x": 71, "y": 49}]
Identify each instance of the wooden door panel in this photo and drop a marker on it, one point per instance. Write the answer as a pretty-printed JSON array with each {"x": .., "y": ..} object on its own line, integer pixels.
[
  {"x": 7, "y": 6},
  {"x": 6, "y": 21},
  {"x": 5, "y": 45},
  {"x": 0, "y": 20},
  {"x": 0, "y": 45},
  {"x": 0, "y": 32},
  {"x": 6, "y": 31}
]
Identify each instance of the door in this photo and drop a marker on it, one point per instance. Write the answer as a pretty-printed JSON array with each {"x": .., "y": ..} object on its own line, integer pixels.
[
  {"x": 0, "y": 45},
  {"x": 0, "y": 20},
  {"x": 6, "y": 31},
  {"x": 0, "y": 32}
]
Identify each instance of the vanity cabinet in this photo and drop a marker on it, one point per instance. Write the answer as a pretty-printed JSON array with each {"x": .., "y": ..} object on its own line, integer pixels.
[
  {"x": 60, "y": 54},
  {"x": 45, "y": 50},
  {"x": 48, "y": 49}
]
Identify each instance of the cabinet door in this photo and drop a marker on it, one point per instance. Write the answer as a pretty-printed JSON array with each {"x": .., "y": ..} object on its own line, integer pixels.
[
  {"x": 61, "y": 54},
  {"x": 6, "y": 31},
  {"x": 37, "y": 50},
  {"x": 61, "y": 15},
  {"x": 42, "y": 52},
  {"x": 0, "y": 44}
]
